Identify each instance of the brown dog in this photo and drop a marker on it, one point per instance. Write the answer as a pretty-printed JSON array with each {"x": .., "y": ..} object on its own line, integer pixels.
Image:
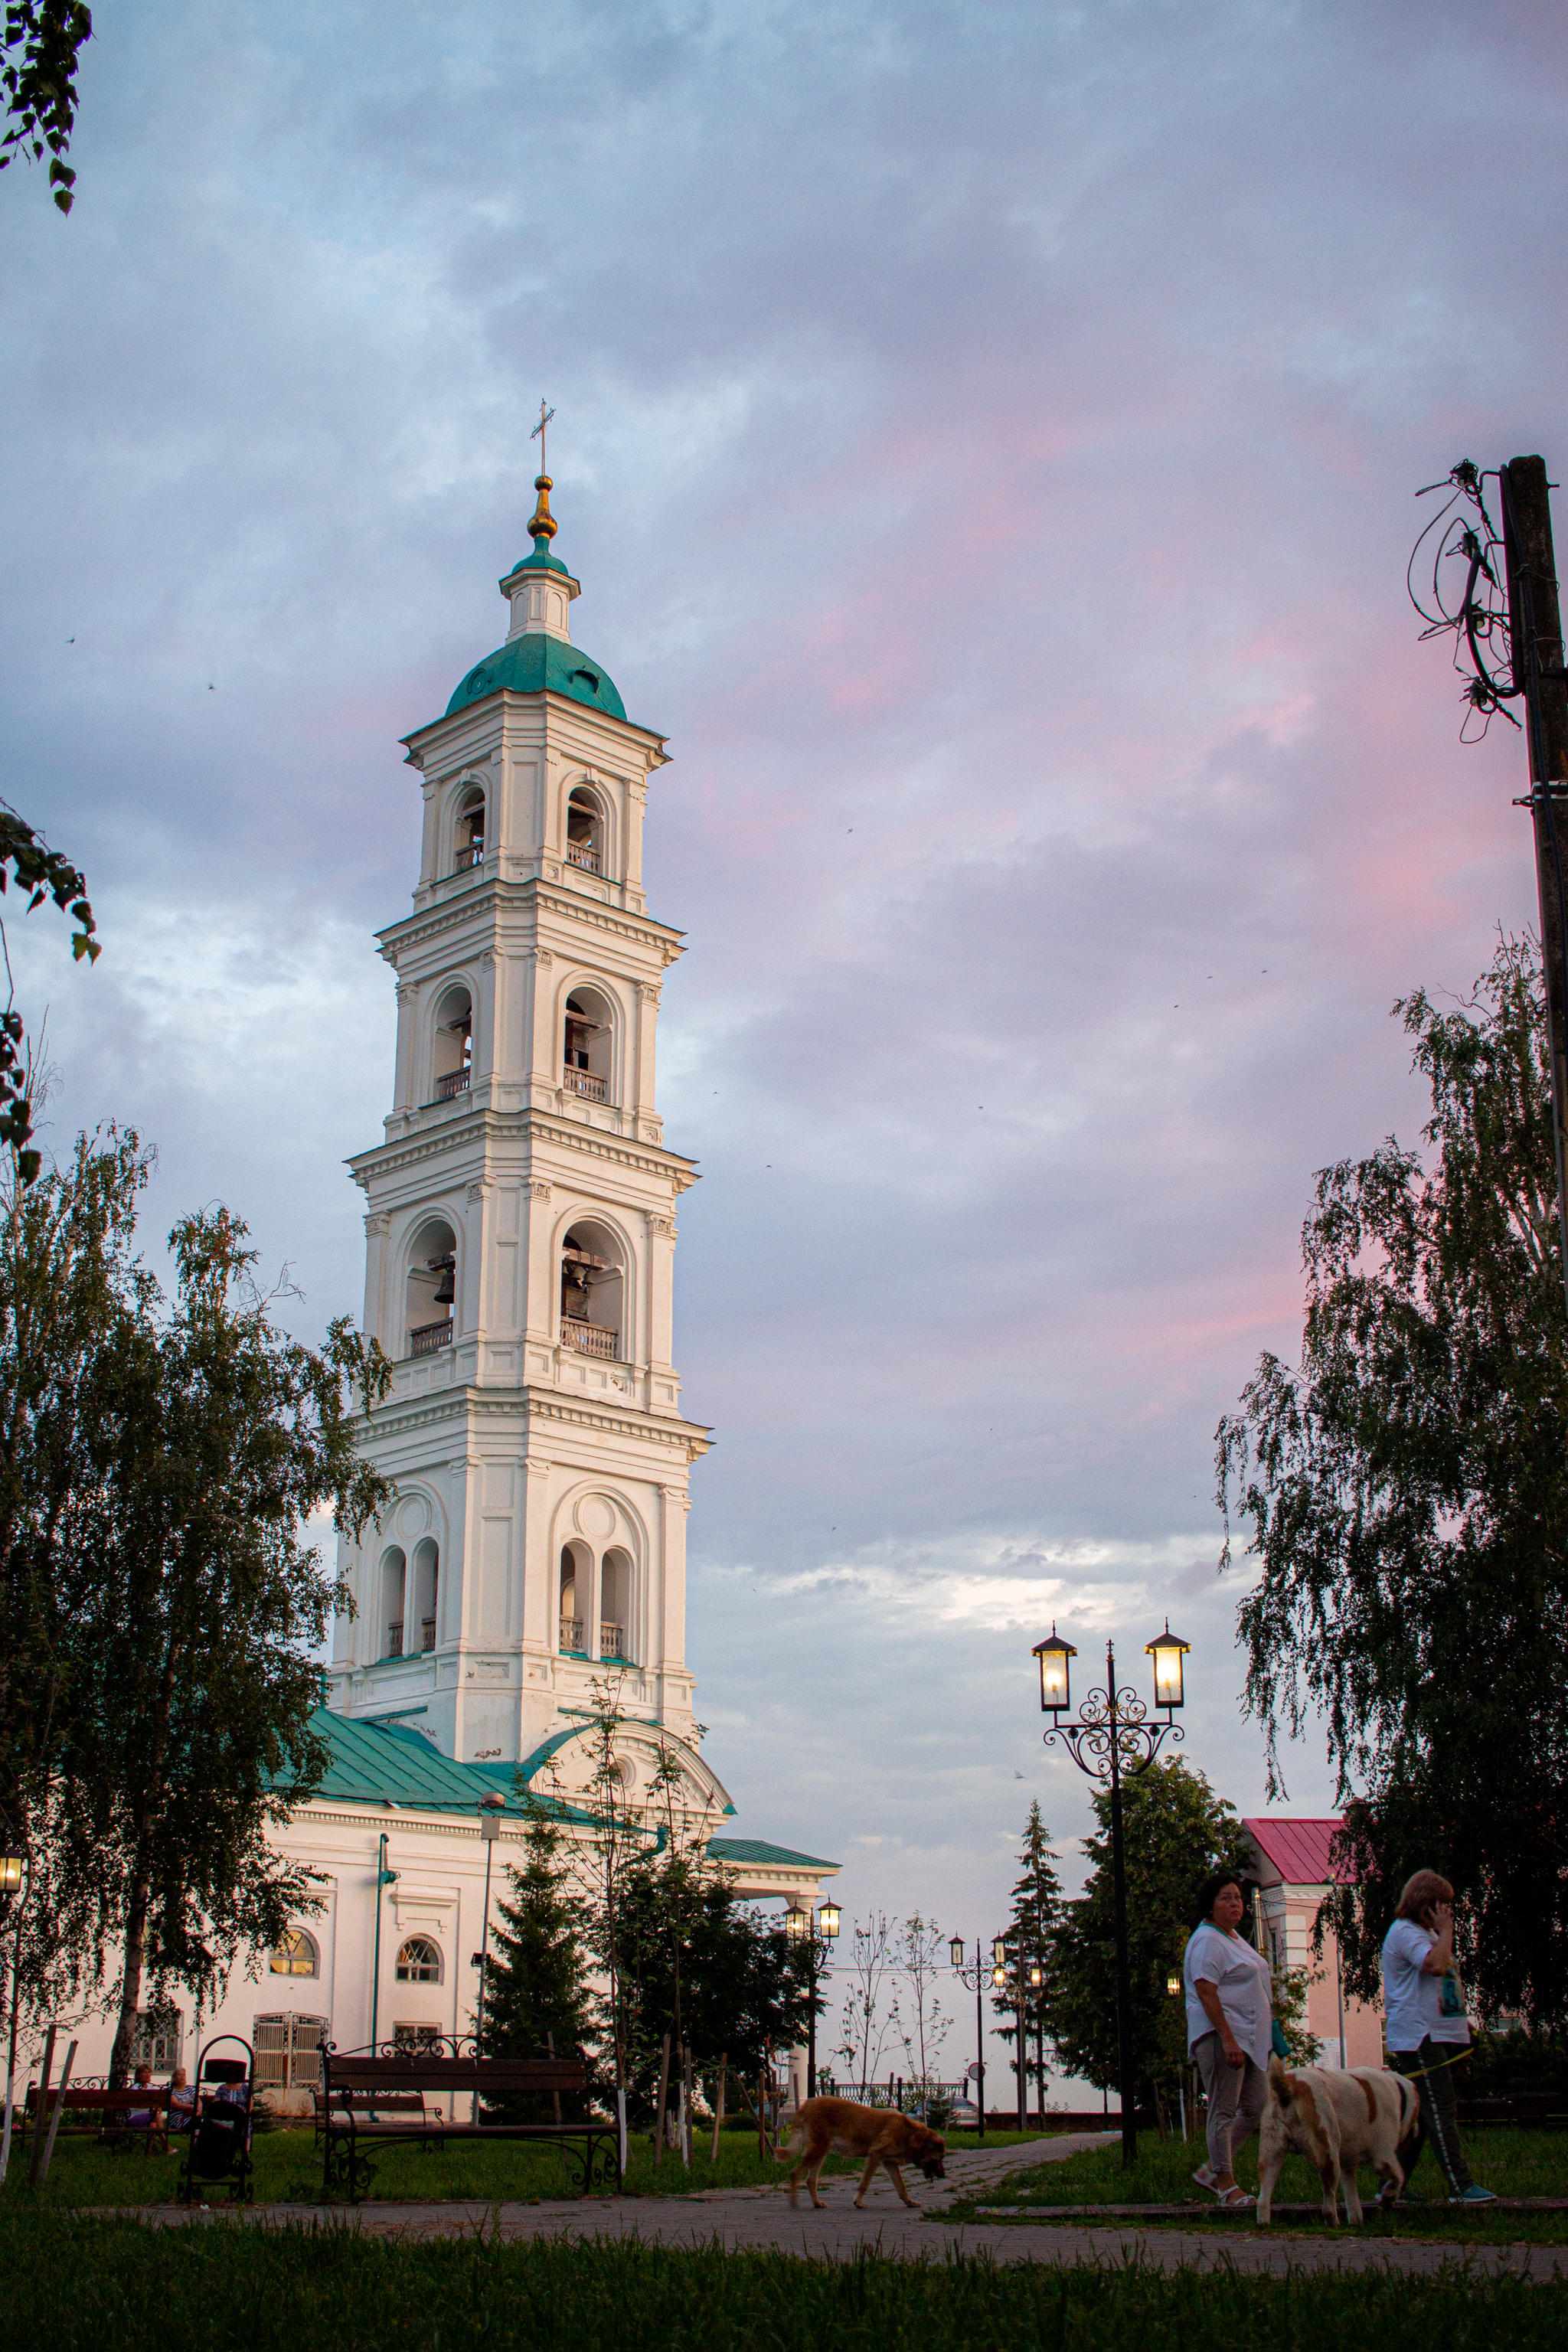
[{"x": 838, "y": 2128}]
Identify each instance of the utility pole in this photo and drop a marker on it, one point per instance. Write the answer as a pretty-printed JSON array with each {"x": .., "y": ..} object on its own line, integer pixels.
[{"x": 1535, "y": 632}]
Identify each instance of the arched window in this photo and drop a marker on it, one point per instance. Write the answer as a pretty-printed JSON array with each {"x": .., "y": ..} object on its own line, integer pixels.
[
  {"x": 454, "y": 1053},
  {"x": 426, "y": 1593},
  {"x": 591, "y": 1291},
  {"x": 587, "y": 1036},
  {"x": 470, "y": 848},
  {"x": 419, "y": 1962},
  {"x": 584, "y": 830},
  {"x": 295, "y": 1955},
  {"x": 432, "y": 1287},
  {"x": 576, "y": 1572},
  {"x": 614, "y": 1604},
  {"x": 392, "y": 1568}
]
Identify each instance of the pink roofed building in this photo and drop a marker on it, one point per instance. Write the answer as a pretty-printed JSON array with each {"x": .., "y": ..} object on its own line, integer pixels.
[{"x": 1294, "y": 1873}]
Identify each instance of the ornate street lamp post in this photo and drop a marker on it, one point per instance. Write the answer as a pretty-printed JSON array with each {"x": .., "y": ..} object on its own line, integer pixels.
[
  {"x": 1111, "y": 1739},
  {"x": 977, "y": 1976},
  {"x": 819, "y": 1939}
]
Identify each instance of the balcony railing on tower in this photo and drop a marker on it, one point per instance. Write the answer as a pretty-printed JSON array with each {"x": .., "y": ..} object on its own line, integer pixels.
[
  {"x": 583, "y": 1083},
  {"x": 589, "y": 1338},
  {"x": 425, "y": 1338},
  {"x": 571, "y": 1635},
  {"x": 454, "y": 1082},
  {"x": 426, "y": 1633},
  {"x": 394, "y": 1639},
  {"x": 611, "y": 1641},
  {"x": 583, "y": 854}
]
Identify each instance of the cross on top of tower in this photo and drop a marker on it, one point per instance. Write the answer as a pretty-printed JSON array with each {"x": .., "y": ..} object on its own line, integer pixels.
[{"x": 543, "y": 523}]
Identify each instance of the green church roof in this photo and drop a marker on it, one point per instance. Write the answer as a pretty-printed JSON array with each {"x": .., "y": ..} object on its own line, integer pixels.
[
  {"x": 757, "y": 1851},
  {"x": 389, "y": 1763},
  {"x": 372, "y": 1762},
  {"x": 540, "y": 665}
]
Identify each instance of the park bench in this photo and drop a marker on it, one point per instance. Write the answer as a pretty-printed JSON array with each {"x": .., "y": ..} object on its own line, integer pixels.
[
  {"x": 369, "y": 2098},
  {"x": 97, "y": 2113},
  {"x": 1536, "y": 2110},
  {"x": 408, "y": 2107}
]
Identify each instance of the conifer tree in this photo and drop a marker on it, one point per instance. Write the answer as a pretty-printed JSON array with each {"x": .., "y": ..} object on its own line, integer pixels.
[
  {"x": 1030, "y": 1932},
  {"x": 536, "y": 1994}
]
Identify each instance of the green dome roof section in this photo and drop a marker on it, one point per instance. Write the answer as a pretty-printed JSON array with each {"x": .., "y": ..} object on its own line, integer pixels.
[{"x": 540, "y": 665}]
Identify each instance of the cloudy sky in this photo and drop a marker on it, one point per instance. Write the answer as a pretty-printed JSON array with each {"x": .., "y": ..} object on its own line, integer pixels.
[{"x": 986, "y": 437}]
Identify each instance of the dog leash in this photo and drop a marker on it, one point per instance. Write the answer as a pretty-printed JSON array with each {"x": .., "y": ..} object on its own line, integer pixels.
[{"x": 1460, "y": 2058}]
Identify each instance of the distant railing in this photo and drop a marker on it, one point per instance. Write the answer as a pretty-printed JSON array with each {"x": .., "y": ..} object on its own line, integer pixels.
[
  {"x": 394, "y": 1639},
  {"x": 589, "y": 1338},
  {"x": 583, "y": 854},
  {"x": 611, "y": 1641},
  {"x": 571, "y": 1634},
  {"x": 426, "y": 1633},
  {"x": 472, "y": 854},
  {"x": 425, "y": 1338},
  {"x": 455, "y": 1082},
  {"x": 583, "y": 1082}
]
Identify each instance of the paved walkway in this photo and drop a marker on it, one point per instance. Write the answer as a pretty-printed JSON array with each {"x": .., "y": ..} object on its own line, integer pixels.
[{"x": 737, "y": 2220}]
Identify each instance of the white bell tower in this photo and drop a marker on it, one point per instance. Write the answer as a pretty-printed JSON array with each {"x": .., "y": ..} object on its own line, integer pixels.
[{"x": 521, "y": 1229}]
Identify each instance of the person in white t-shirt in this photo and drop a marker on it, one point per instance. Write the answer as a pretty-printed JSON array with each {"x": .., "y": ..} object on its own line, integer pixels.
[
  {"x": 1230, "y": 2028},
  {"x": 1426, "y": 2027}
]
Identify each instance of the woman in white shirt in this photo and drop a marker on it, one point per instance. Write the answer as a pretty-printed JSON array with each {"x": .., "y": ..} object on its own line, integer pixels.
[
  {"x": 1230, "y": 2026},
  {"x": 1425, "y": 2024}
]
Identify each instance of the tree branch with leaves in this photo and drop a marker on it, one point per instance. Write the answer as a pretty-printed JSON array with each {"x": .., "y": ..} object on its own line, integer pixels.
[
  {"x": 40, "y": 50},
  {"x": 1403, "y": 1493}
]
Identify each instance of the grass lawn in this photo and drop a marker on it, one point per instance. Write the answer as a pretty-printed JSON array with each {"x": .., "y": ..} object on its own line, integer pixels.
[
  {"x": 76, "y": 2285},
  {"x": 1513, "y": 2163},
  {"x": 289, "y": 2171}
]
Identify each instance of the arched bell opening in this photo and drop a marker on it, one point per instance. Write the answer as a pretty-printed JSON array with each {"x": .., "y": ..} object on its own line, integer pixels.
[
  {"x": 468, "y": 847},
  {"x": 592, "y": 1291},
  {"x": 453, "y": 1058},
  {"x": 432, "y": 1287},
  {"x": 393, "y": 1574},
  {"x": 427, "y": 1594},
  {"x": 587, "y": 1042},
  {"x": 584, "y": 830},
  {"x": 576, "y": 1591},
  {"x": 615, "y": 1604}
]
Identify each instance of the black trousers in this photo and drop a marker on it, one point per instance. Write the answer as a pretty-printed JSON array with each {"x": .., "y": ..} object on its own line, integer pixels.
[{"x": 1436, "y": 2090}]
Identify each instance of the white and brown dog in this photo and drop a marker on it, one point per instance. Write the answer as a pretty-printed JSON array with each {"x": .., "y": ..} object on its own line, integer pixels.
[{"x": 1337, "y": 2119}]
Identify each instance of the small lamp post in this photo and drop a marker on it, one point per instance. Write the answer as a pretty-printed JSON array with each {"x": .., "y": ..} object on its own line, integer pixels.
[
  {"x": 975, "y": 1974},
  {"x": 1110, "y": 1737},
  {"x": 12, "y": 1869},
  {"x": 818, "y": 1938}
]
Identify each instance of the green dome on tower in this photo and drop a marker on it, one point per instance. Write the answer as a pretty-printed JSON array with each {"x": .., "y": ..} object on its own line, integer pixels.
[
  {"x": 540, "y": 665},
  {"x": 539, "y": 657}
]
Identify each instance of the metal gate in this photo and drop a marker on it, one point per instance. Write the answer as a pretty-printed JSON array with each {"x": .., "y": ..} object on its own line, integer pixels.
[{"x": 287, "y": 2050}]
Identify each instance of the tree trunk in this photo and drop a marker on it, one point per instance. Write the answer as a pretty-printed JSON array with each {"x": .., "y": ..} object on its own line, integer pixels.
[
  {"x": 662, "y": 2120},
  {"x": 131, "y": 1981},
  {"x": 719, "y": 2106}
]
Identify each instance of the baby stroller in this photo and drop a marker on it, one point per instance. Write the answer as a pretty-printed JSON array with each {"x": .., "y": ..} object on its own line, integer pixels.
[{"x": 218, "y": 2150}]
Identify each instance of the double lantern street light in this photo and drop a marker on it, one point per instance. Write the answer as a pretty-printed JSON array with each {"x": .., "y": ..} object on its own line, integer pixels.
[
  {"x": 819, "y": 1937},
  {"x": 1109, "y": 1740},
  {"x": 1000, "y": 1972}
]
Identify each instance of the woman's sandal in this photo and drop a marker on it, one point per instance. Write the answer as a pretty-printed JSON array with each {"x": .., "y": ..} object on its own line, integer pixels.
[
  {"x": 1235, "y": 2199},
  {"x": 1204, "y": 2175}
]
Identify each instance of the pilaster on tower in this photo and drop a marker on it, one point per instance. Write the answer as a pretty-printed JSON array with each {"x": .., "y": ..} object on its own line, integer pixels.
[{"x": 521, "y": 1226}]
